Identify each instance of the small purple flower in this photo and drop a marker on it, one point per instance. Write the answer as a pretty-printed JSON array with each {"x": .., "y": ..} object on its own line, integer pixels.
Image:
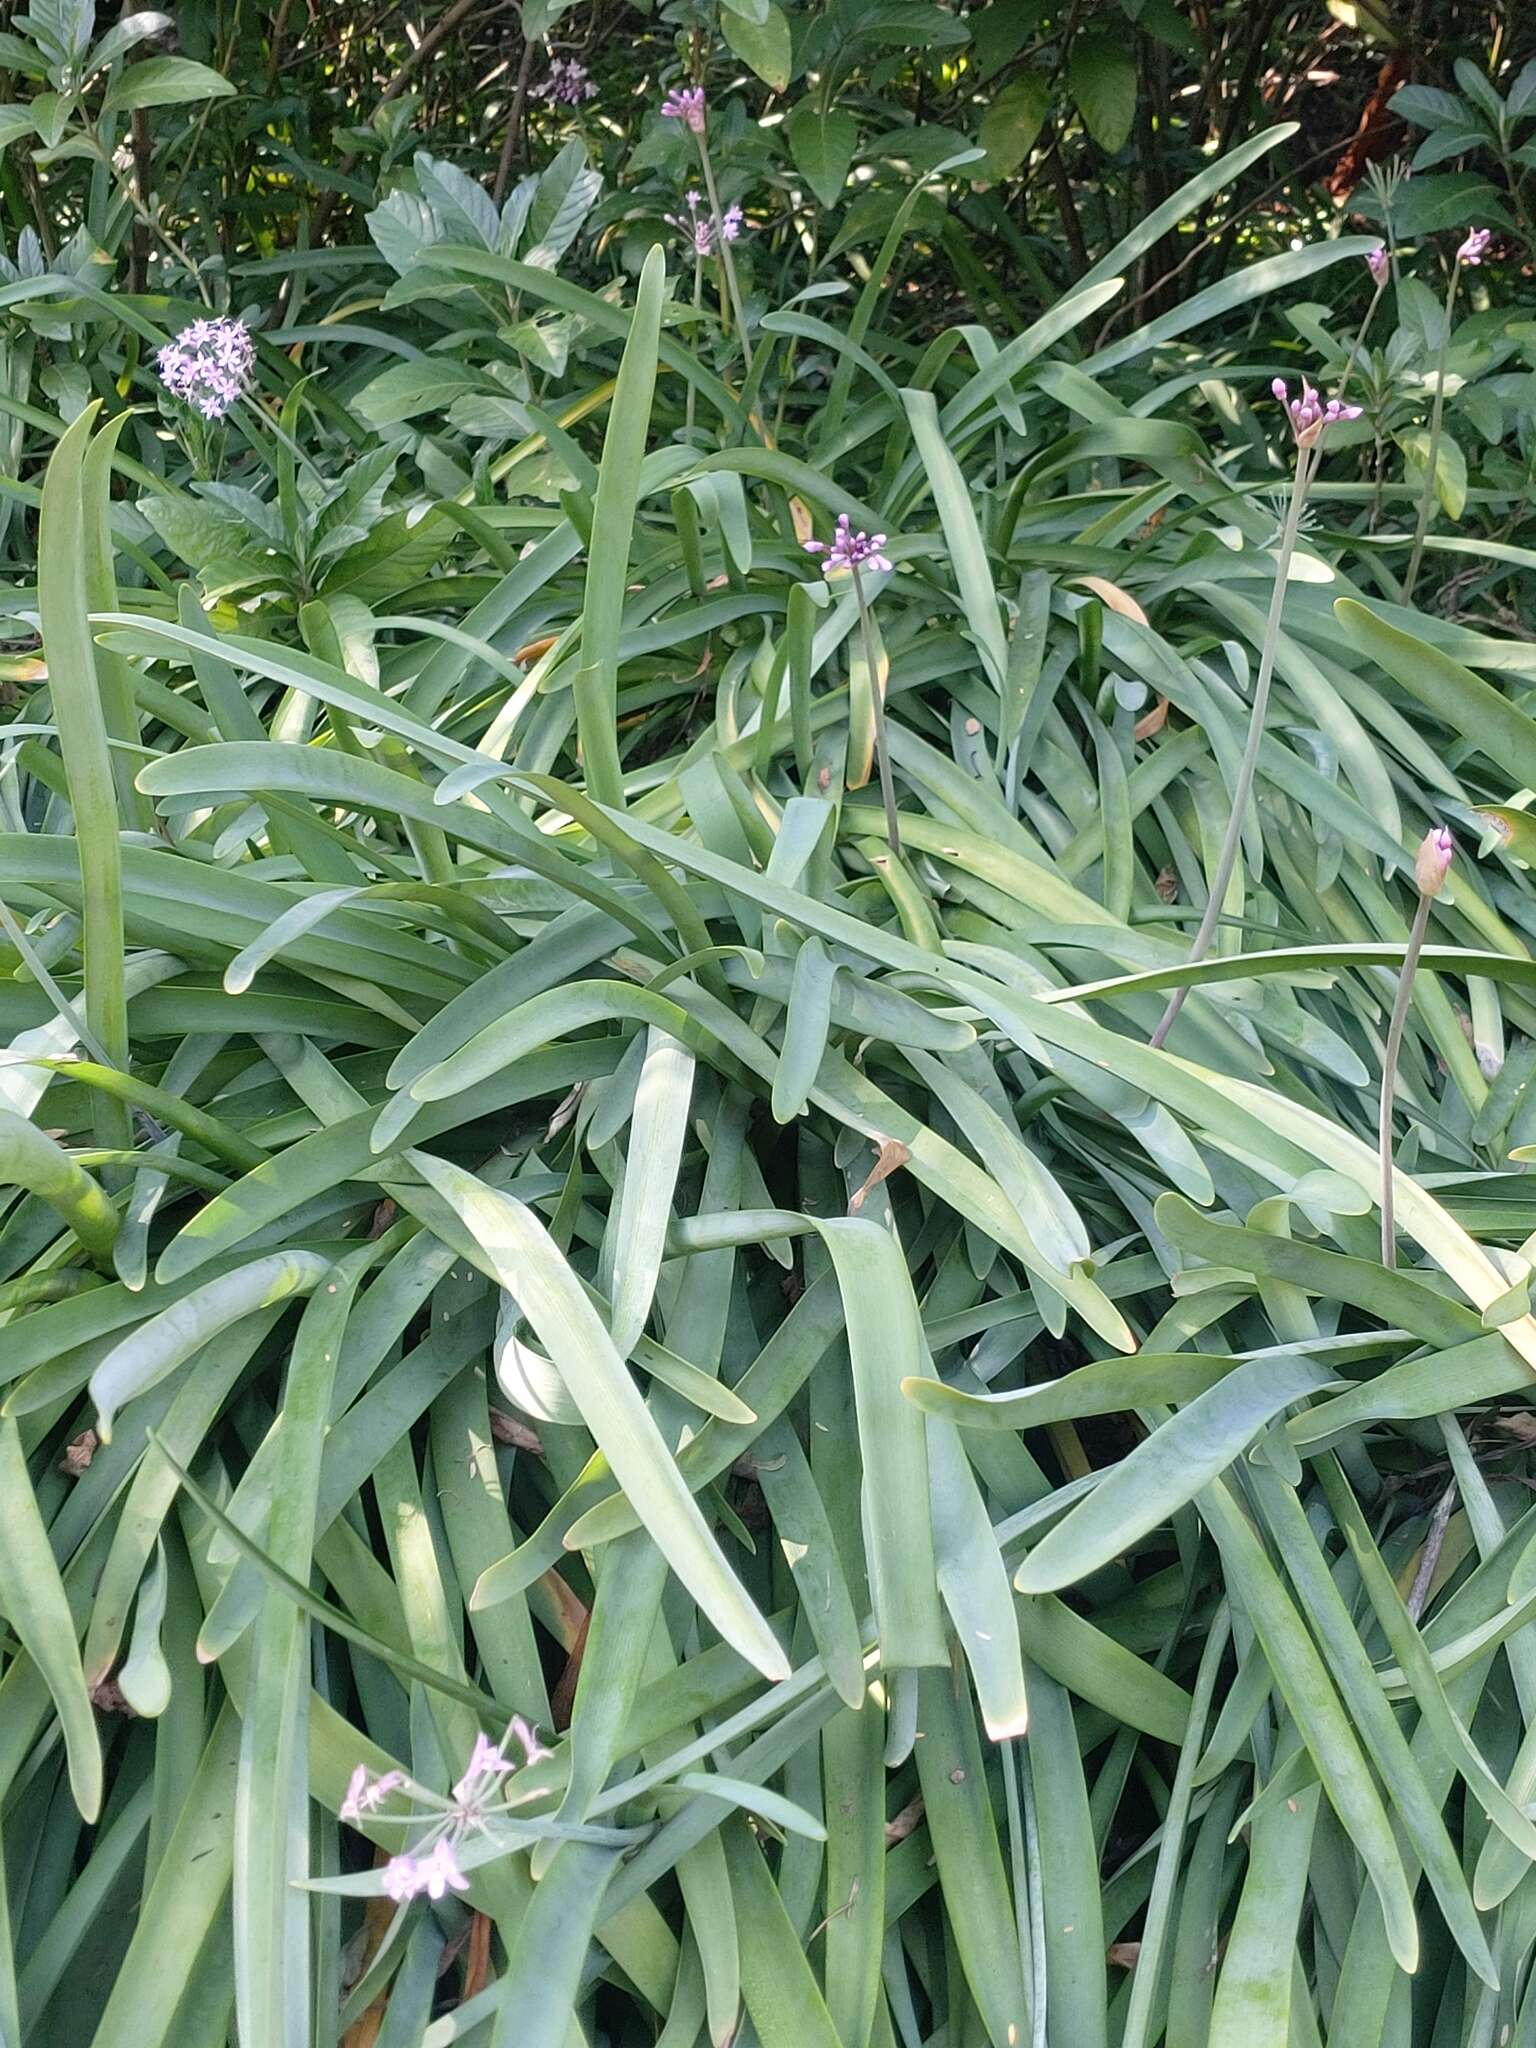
[
  {"x": 1472, "y": 249},
  {"x": 402, "y": 1878},
  {"x": 533, "y": 1750},
  {"x": 1432, "y": 863},
  {"x": 208, "y": 365},
  {"x": 686, "y": 103},
  {"x": 848, "y": 549},
  {"x": 1377, "y": 262},
  {"x": 567, "y": 83},
  {"x": 440, "y": 1870},
  {"x": 365, "y": 1794},
  {"x": 1308, "y": 415}
]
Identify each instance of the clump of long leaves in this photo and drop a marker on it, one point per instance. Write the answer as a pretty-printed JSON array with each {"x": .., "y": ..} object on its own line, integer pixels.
[{"x": 524, "y": 1204}]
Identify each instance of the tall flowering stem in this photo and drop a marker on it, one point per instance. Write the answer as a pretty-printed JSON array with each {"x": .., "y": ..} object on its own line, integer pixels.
[
  {"x": 1430, "y": 870},
  {"x": 848, "y": 550},
  {"x": 686, "y": 104},
  {"x": 1379, "y": 264},
  {"x": 1309, "y": 419},
  {"x": 1470, "y": 254},
  {"x": 701, "y": 231},
  {"x": 877, "y": 699}
]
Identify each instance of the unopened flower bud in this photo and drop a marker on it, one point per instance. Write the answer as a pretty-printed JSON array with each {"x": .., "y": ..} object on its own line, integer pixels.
[
  {"x": 1474, "y": 247},
  {"x": 685, "y": 103},
  {"x": 1308, "y": 414},
  {"x": 1433, "y": 862}
]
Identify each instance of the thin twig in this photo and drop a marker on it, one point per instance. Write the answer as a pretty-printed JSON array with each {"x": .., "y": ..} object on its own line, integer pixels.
[
  {"x": 1225, "y": 227},
  {"x": 514, "y": 129},
  {"x": 1066, "y": 207}
]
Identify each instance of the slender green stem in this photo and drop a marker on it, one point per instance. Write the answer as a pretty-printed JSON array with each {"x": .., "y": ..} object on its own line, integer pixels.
[
  {"x": 877, "y": 699},
  {"x": 1359, "y": 341},
  {"x": 1436, "y": 416},
  {"x": 1306, "y": 464},
  {"x": 1389, "y": 1079},
  {"x": 698, "y": 301},
  {"x": 723, "y": 248},
  {"x": 1349, "y": 364}
]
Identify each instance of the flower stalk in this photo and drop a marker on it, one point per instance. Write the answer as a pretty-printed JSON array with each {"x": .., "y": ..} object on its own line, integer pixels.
[
  {"x": 877, "y": 700},
  {"x": 1309, "y": 419},
  {"x": 848, "y": 550},
  {"x": 1430, "y": 869},
  {"x": 1470, "y": 254},
  {"x": 686, "y": 104},
  {"x": 1379, "y": 263}
]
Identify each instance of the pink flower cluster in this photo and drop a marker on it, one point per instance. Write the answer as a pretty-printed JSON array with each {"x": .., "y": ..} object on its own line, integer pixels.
[
  {"x": 1377, "y": 262},
  {"x": 433, "y": 1866},
  {"x": 1308, "y": 415},
  {"x": 567, "y": 83},
  {"x": 686, "y": 103},
  {"x": 700, "y": 229},
  {"x": 848, "y": 549},
  {"x": 208, "y": 365},
  {"x": 405, "y": 1877}
]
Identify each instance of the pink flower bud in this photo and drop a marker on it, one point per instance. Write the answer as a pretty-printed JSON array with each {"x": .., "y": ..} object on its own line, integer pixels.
[
  {"x": 1308, "y": 415},
  {"x": 686, "y": 103},
  {"x": 1472, "y": 249},
  {"x": 1432, "y": 864}
]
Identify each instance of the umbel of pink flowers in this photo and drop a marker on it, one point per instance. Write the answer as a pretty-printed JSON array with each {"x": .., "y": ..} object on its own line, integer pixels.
[
  {"x": 685, "y": 103},
  {"x": 847, "y": 549},
  {"x": 700, "y": 229},
  {"x": 1308, "y": 416},
  {"x": 1473, "y": 248},
  {"x": 432, "y": 1866},
  {"x": 208, "y": 365}
]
